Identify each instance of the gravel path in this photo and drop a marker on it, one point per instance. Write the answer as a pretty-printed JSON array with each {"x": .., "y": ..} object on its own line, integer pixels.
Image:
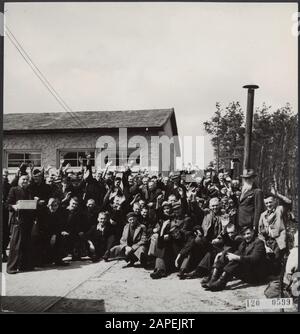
[{"x": 107, "y": 287}]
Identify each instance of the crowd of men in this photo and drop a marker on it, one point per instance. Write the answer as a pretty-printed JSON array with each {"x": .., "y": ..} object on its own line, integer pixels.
[{"x": 211, "y": 226}]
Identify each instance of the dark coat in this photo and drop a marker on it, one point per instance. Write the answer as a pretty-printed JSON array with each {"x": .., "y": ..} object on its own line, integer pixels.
[
  {"x": 52, "y": 223},
  {"x": 42, "y": 191},
  {"x": 252, "y": 266},
  {"x": 253, "y": 253},
  {"x": 102, "y": 240},
  {"x": 21, "y": 228},
  {"x": 92, "y": 190},
  {"x": 89, "y": 219},
  {"x": 73, "y": 221},
  {"x": 95, "y": 235},
  {"x": 5, "y": 190},
  {"x": 250, "y": 208}
]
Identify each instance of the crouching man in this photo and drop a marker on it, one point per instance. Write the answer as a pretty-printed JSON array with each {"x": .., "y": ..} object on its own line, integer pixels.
[
  {"x": 247, "y": 263},
  {"x": 101, "y": 237},
  {"x": 52, "y": 219},
  {"x": 133, "y": 242}
]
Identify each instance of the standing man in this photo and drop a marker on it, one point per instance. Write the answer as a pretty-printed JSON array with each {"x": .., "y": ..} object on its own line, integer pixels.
[
  {"x": 19, "y": 258},
  {"x": 272, "y": 231},
  {"x": 250, "y": 203},
  {"x": 5, "y": 213}
]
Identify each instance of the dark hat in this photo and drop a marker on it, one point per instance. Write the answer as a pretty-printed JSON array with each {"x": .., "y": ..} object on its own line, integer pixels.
[
  {"x": 245, "y": 228},
  {"x": 36, "y": 172},
  {"x": 176, "y": 205},
  {"x": 175, "y": 176},
  {"x": 131, "y": 214},
  {"x": 248, "y": 173},
  {"x": 66, "y": 179}
]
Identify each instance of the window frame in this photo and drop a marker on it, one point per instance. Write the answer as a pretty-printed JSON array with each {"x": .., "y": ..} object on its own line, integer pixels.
[
  {"x": 72, "y": 150},
  {"x": 120, "y": 155},
  {"x": 20, "y": 151}
]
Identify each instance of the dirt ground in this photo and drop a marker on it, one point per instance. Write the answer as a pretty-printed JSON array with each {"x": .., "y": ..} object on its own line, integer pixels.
[{"x": 108, "y": 287}]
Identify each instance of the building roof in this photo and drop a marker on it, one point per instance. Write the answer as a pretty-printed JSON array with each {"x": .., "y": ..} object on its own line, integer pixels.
[{"x": 32, "y": 122}]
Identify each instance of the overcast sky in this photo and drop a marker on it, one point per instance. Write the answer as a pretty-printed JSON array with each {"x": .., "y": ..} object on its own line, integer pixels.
[{"x": 114, "y": 56}]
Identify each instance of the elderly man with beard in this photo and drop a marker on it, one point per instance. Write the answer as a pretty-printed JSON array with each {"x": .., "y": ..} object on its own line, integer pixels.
[
  {"x": 250, "y": 202},
  {"x": 248, "y": 263},
  {"x": 19, "y": 258}
]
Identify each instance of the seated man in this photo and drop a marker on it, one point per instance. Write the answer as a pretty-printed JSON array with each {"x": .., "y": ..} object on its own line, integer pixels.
[
  {"x": 271, "y": 229},
  {"x": 200, "y": 242},
  {"x": 290, "y": 278},
  {"x": 247, "y": 263},
  {"x": 133, "y": 242},
  {"x": 167, "y": 240},
  {"x": 101, "y": 237},
  {"x": 228, "y": 241}
]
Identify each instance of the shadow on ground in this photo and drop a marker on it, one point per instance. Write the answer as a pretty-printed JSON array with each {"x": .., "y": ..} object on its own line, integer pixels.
[{"x": 39, "y": 304}]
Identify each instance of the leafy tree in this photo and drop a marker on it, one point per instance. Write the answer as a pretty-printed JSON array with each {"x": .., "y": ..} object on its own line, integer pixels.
[
  {"x": 227, "y": 131},
  {"x": 274, "y": 144}
]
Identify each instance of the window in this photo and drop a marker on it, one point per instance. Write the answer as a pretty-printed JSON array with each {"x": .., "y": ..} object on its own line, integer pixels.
[
  {"x": 118, "y": 158},
  {"x": 15, "y": 158},
  {"x": 72, "y": 157}
]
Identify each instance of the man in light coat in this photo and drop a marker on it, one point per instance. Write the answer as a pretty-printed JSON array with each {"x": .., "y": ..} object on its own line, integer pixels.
[
  {"x": 133, "y": 242},
  {"x": 271, "y": 229}
]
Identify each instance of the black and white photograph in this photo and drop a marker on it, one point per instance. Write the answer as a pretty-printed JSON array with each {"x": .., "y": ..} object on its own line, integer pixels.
[{"x": 149, "y": 158}]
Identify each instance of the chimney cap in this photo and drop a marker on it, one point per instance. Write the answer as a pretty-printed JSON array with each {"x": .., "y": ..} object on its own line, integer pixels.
[{"x": 251, "y": 86}]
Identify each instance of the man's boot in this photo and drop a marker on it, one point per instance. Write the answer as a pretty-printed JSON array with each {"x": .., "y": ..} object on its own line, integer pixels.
[
  {"x": 220, "y": 284},
  {"x": 158, "y": 273},
  {"x": 193, "y": 274},
  {"x": 199, "y": 272},
  {"x": 214, "y": 276},
  {"x": 205, "y": 281}
]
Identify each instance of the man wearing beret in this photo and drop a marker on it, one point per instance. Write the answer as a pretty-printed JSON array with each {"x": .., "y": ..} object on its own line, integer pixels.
[{"x": 133, "y": 242}]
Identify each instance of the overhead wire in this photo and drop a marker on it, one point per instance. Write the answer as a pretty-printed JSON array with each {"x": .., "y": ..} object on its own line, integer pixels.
[{"x": 42, "y": 77}]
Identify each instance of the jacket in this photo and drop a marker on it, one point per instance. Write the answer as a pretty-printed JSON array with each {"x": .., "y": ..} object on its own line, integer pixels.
[{"x": 272, "y": 226}]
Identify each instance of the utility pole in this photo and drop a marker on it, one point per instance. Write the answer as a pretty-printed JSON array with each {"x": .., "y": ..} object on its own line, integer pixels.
[
  {"x": 248, "y": 133},
  {"x": 1, "y": 96}
]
